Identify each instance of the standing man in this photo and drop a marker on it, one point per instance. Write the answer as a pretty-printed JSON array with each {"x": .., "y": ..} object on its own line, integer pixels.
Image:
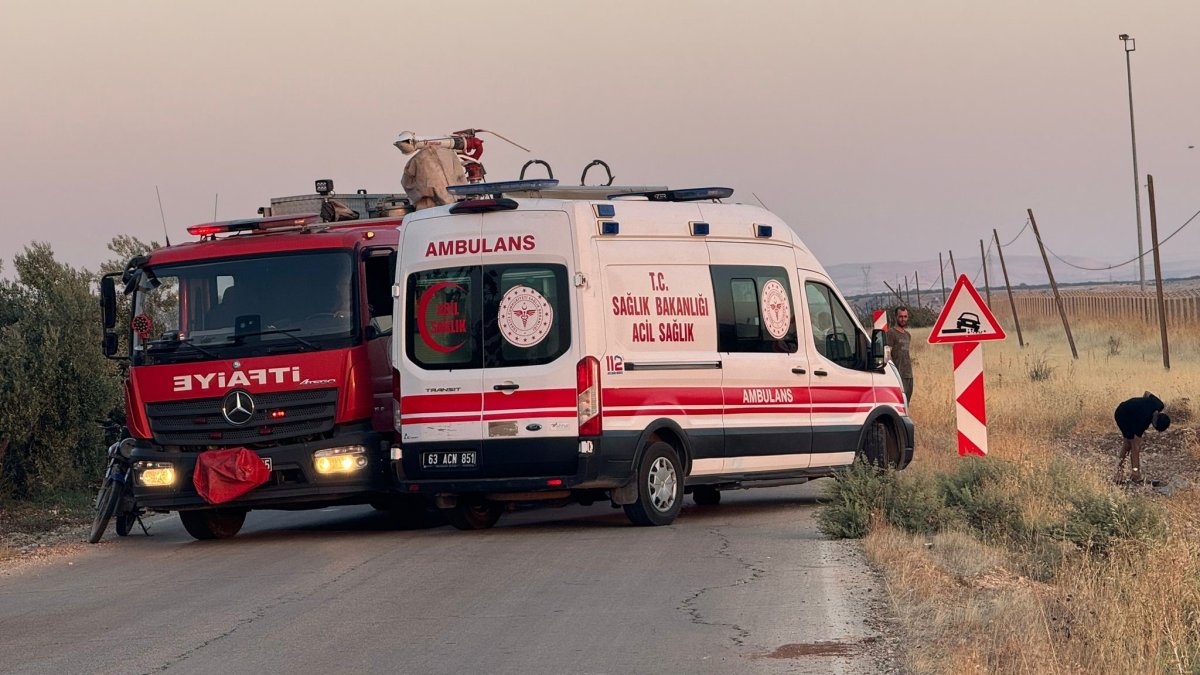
[
  {"x": 1133, "y": 418},
  {"x": 898, "y": 339}
]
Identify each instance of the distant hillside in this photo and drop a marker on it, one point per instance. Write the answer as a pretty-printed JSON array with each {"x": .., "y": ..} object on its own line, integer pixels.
[{"x": 864, "y": 278}]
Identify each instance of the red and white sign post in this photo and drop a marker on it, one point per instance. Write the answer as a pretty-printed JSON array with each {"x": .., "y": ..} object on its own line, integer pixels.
[
  {"x": 880, "y": 319},
  {"x": 965, "y": 322}
]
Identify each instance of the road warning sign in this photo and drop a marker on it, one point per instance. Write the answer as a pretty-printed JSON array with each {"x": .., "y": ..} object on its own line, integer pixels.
[{"x": 965, "y": 318}]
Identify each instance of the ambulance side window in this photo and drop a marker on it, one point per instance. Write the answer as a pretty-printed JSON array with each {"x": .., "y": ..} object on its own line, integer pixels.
[
  {"x": 834, "y": 333},
  {"x": 526, "y": 314},
  {"x": 443, "y": 307},
  {"x": 755, "y": 311}
]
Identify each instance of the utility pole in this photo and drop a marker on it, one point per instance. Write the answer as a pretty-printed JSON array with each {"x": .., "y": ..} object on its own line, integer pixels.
[
  {"x": 917, "y": 280},
  {"x": 942, "y": 271},
  {"x": 1062, "y": 312},
  {"x": 1158, "y": 280},
  {"x": 1131, "y": 45},
  {"x": 986, "y": 285},
  {"x": 1012, "y": 304},
  {"x": 953, "y": 267}
]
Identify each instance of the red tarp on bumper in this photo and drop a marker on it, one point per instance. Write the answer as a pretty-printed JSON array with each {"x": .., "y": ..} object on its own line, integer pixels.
[{"x": 223, "y": 475}]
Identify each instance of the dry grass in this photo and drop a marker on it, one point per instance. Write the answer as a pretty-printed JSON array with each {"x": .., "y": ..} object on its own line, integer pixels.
[{"x": 1025, "y": 604}]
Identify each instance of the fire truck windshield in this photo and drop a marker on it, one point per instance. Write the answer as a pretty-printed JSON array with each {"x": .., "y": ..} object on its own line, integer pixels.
[{"x": 240, "y": 307}]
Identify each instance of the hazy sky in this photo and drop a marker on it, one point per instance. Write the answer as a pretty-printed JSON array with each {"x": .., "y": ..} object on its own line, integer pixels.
[{"x": 879, "y": 130}]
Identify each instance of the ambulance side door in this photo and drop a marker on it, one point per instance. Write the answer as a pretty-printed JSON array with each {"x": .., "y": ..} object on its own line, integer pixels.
[
  {"x": 764, "y": 370},
  {"x": 842, "y": 389}
]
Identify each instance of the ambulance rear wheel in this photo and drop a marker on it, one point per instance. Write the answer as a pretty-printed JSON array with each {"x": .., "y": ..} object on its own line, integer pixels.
[
  {"x": 213, "y": 523},
  {"x": 474, "y": 513},
  {"x": 706, "y": 496},
  {"x": 660, "y": 487}
]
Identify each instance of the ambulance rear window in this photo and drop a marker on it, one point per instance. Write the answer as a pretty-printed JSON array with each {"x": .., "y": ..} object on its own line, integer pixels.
[{"x": 495, "y": 316}]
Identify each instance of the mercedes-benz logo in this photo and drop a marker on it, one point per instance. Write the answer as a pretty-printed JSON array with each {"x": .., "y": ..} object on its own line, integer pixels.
[{"x": 237, "y": 407}]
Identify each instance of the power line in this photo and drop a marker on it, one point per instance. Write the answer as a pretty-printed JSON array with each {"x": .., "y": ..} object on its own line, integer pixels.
[{"x": 1131, "y": 260}]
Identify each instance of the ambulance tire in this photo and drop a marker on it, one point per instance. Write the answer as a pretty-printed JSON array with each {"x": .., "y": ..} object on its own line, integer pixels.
[
  {"x": 213, "y": 523},
  {"x": 660, "y": 487},
  {"x": 705, "y": 495},
  {"x": 474, "y": 513},
  {"x": 879, "y": 446}
]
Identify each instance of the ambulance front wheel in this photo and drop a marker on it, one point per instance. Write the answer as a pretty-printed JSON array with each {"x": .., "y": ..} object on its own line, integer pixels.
[
  {"x": 660, "y": 487},
  {"x": 880, "y": 446},
  {"x": 706, "y": 495}
]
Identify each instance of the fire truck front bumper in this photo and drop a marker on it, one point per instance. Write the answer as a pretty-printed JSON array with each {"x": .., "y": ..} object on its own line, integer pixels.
[{"x": 351, "y": 468}]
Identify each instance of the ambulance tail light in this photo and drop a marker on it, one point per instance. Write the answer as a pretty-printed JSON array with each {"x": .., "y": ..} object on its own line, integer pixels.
[{"x": 588, "y": 404}]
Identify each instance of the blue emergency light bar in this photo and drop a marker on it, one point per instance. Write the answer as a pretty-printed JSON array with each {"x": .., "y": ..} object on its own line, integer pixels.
[
  {"x": 501, "y": 187},
  {"x": 684, "y": 195}
]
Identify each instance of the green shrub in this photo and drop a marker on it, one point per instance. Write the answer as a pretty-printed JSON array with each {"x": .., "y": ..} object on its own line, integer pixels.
[
  {"x": 1098, "y": 523},
  {"x": 854, "y": 498}
]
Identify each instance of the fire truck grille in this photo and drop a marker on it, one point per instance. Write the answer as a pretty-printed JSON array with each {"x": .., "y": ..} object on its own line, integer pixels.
[{"x": 277, "y": 416}]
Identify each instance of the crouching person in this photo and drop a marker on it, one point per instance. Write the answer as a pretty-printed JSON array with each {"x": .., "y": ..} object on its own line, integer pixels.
[{"x": 1133, "y": 418}]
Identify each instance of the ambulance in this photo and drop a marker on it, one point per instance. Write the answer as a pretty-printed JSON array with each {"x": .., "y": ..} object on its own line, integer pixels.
[{"x": 593, "y": 344}]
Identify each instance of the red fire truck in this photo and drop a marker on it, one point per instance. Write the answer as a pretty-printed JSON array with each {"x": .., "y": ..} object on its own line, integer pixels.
[{"x": 270, "y": 334}]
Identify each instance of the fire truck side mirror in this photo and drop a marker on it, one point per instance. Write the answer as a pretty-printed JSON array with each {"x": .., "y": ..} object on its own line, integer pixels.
[
  {"x": 110, "y": 343},
  {"x": 878, "y": 345},
  {"x": 108, "y": 302}
]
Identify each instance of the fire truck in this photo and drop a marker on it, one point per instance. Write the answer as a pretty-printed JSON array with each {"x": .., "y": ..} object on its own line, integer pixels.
[{"x": 271, "y": 334}]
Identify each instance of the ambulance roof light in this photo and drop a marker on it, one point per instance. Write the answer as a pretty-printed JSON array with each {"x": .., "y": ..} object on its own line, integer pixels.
[
  {"x": 501, "y": 187},
  {"x": 684, "y": 195},
  {"x": 483, "y": 206}
]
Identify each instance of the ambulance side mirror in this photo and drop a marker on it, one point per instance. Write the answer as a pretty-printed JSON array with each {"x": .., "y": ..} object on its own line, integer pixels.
[{"x": 878, "y": 347}]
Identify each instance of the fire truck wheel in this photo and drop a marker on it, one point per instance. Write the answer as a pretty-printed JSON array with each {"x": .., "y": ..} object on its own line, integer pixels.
[
  {"x": 660, "y": 487},
  {"x": 879, "y": 446},
  {"x": 706, "y": 496},
  {"x": 474, "y": 513},
  {"x": 411, "y": 513},
  {"x": 213, "y": 523}
]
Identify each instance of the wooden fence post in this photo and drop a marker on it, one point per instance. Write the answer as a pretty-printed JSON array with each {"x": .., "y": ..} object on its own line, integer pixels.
[
  {"x": 1053, "y": 286},
  {"x": 1011, "y": 303}
]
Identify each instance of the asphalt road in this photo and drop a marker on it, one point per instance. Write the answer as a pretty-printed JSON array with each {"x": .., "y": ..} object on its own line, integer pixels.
[{"x": 744, "y": 587}]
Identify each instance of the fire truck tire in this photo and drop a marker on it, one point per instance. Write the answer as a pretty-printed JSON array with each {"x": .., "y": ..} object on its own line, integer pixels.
[
  {"x": 705, "y": 495},
  {"x": 213, "y": 523},
  {"x": 879, "y": 446},
  {"x": 660, "y": 487},
  {"x": 110, "y": 498},
  {"x": 474, "y": 513},
  {"x": 411, "y": 513}
]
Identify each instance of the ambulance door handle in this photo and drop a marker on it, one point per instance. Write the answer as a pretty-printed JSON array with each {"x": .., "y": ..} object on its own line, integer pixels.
[
  {"x": 799, "y": 371},
  {"x": 822, "y": 373},
  {"x": 508, "y": 386}
]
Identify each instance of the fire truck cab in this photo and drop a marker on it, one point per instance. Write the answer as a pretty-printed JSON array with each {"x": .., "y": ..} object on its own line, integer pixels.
[
  {"x": 270, "y": 334},
  {"x": 630, "y": 347}
]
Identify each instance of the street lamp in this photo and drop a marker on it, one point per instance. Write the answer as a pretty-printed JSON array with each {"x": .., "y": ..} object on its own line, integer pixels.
[{"x": 1131, "y": 45}]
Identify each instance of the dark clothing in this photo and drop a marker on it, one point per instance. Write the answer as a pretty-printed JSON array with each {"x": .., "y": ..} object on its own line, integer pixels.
[
  {"x": 908, "y": 382},
  {"x": 1134, "y": 416},
  {"x": 899, "y": 341}
]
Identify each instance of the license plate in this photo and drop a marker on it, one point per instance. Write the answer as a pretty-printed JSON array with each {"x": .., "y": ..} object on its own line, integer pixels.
[{"x": 449, "y": 460}]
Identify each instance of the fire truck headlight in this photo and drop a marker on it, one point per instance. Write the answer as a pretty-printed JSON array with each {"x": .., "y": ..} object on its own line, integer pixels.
[
  {"x": 154, "y": 474},
  {"x": 345, "y": 459}
]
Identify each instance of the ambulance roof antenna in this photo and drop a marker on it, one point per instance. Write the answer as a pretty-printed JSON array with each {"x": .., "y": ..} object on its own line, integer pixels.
[
  {"x": 760, "y": 202},
  {"x": 162, "y": 215}
]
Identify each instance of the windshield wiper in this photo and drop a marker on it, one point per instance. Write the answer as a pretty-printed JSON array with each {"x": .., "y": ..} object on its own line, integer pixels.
[
  {"x": 240, "y": 337},
  {"x": 173, "y": 345}
]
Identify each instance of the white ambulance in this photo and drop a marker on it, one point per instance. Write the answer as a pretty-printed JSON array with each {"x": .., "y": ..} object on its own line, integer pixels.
[{"x": 624, "y": 347}]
